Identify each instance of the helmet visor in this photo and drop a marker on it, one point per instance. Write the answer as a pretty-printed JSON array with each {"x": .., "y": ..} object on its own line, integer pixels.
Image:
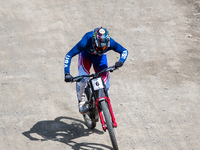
[{"x": 100, "y": 50}]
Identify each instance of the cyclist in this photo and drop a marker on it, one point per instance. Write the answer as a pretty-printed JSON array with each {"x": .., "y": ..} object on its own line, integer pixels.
[{"x": 92, "y": 50}]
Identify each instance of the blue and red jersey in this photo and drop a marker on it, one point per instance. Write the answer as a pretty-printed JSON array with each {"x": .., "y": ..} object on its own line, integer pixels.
[{"x": 85, "y": 44}]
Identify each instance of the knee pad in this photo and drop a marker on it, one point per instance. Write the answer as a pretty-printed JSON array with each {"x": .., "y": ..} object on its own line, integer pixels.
[{"x": 80, "y": 86}]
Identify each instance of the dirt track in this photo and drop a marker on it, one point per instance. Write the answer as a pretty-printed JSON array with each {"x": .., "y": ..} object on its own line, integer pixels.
[{"x": 155, "y": 95}]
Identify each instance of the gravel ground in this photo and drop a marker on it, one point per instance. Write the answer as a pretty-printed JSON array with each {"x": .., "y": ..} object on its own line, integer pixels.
[{"x": 155, "y": 95}]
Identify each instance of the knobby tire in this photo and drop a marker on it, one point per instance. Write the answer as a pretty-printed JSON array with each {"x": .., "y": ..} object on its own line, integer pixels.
[
  {"x": 90, "y": 123},
  {"x": 109, "y": 124}
]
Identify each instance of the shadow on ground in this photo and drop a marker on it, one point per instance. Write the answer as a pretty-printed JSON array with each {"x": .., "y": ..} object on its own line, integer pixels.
[{"x": 65, "y": 130}]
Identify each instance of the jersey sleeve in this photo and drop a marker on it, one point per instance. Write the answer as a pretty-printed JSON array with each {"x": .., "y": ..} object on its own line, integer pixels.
[
  {"x": 73, "y": 52},
  {"x": 119, "y": 49}
]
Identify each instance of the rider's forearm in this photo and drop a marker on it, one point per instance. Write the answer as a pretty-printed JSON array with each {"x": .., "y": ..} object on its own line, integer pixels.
[
  {"x": 119, "y": 49},
  {"x": 123, "y": 56},
  {"x": 67, "y": 63},
  {"x": 74, "y": 51}
]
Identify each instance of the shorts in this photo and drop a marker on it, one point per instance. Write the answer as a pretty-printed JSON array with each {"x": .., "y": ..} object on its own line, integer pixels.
[{"x": 86, "y": 60}]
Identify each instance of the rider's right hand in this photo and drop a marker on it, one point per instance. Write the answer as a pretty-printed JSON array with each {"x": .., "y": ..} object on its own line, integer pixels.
[{"x": 68, "y": 77}]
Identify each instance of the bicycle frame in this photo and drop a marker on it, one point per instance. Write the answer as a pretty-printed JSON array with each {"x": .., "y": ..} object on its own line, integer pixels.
[
  {"x": 96, "y": 89},
  {"x": 99, "y": 103}
]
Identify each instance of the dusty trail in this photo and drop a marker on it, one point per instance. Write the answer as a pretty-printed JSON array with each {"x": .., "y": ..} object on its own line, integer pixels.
[{"x": 155, "y": 95}]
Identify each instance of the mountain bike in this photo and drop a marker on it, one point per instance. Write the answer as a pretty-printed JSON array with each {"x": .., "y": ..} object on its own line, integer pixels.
[{"x": 99, "y": 104}]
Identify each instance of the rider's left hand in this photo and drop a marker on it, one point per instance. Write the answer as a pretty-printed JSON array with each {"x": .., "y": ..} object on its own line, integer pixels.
[{"x": 118, "y": 64}]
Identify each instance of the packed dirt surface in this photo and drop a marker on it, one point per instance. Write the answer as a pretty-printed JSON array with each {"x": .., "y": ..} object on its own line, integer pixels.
[{"x": 155, "y": 95}]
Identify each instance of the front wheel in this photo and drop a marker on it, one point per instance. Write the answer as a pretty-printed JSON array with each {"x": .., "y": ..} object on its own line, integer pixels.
[{"x": 109, "y": 124}]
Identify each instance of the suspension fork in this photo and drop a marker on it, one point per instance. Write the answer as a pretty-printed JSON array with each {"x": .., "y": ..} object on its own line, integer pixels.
[{"x": 110, "y": 110}]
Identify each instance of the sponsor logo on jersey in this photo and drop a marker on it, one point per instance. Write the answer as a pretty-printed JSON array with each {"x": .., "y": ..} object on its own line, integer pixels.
[
  {"x": 124, "y": 54},
  {"x": 66, "y": 61}
]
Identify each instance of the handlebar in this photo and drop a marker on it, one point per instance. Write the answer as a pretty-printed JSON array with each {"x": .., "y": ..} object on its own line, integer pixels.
[{"x": 78, "y": 78}]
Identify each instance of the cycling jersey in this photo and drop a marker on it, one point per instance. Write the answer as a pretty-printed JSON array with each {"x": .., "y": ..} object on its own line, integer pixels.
[{"x": 85, "y": 44}]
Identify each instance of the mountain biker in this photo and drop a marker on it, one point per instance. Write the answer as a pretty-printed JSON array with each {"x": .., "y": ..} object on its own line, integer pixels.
[{"x": 92, "y": 50}]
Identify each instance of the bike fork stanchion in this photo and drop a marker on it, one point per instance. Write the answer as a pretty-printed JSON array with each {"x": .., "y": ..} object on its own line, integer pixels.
[
  {"x": 100, "y": 114},
  {"x": 110, "y": 110}
]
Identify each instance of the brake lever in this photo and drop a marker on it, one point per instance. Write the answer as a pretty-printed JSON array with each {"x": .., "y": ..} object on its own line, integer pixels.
[
  {"x": 113, "y": 68},
  {"x": 78, "y": 79}
]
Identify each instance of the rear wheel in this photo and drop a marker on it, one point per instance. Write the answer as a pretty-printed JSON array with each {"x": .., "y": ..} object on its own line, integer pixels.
[
  {"x": 89, "y": 120},
  {"x": 89, "y": 117},
  {"x": 109, "y": 124}
]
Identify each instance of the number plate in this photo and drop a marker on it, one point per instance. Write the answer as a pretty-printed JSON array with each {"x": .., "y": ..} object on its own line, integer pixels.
[{"x": 97, "y": 83}]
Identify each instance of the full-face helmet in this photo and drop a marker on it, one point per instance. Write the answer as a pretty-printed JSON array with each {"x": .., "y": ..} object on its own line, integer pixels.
[{"x": 101, "y": 40}]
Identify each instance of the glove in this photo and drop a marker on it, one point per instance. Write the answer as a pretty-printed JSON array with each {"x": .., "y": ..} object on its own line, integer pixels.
[
  {"x": 68, "y": 77},
  {"x": 118, "y": 64}
]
